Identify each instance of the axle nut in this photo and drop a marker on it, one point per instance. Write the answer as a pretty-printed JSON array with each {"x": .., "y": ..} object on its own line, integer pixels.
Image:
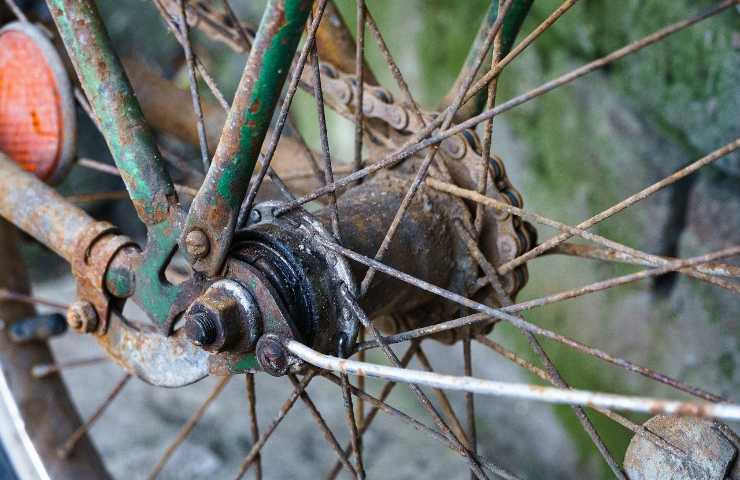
[
  {"x": 225, "y": 318},
  {"x": 272, "y": 355},
  {"x": 82, "y": 317}
]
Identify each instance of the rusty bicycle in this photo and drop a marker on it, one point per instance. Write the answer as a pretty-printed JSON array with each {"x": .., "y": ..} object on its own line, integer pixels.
[{"x": 266, "y": 256}]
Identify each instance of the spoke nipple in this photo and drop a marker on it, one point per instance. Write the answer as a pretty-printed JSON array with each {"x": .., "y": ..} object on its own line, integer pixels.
[
  {"x": 196, "y": 243},
  {"x": 82, "y": 317}
]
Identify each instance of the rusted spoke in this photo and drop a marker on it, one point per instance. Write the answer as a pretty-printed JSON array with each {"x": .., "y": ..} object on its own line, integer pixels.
[
  {"x": 324, "y": 137},
  {"x": 253, "y": 425},
  {"x": 330, "y": 438},
  {"x": 194, "y": 93},
  {"x": 444, "y": 401},
  {"x": 254, "y": 452},
  {"x": 111, "y": 170},
  {"x": 546, "y": 300},
  {"x": 392, "y": 66},
  {"x": 12, "y": 296},
  {"x": 200, "y": 67},
  {"x": 504, "y": 300},
  {"x": 519, "y": 48},
  {"x": 367, "y": 421},
  {"x": 349, "y": 414},
  {"x": 541, "y": 374},
  {"x": 611, "y": 255},
  {"x": 187, "y": 429},
  {"x": 295, "y": 78},
  {"x": 429, "y": 158},
  {"x": 424, "y": 138},
  {"x": 69, "y": 444},
  {"x": 505, "y": 314},
  {"x": 569, "y": 231},
  {"x": 626, "y": 203},
  {"x": 97, "y": 196},
  {"x": 351, "y": 303},
  {"x": 243, "y": 33},
  {"x": 487, "y": 136},
  {"x": 380, "y": 405},
  {"x": 472, "y": 432},
  {"x": 43, "y": 370},
  {"x": 360, "y": 84}
]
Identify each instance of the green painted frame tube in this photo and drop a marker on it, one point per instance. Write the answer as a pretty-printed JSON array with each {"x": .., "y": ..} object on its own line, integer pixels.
[
  {"x": 515, "y": 17},
  {"x": 215, "y": 209},
  {"x": 116, "y": 108}
]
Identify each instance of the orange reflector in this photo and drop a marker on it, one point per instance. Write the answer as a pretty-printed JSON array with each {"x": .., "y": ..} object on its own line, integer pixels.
[{"x": 37, "y": 122}]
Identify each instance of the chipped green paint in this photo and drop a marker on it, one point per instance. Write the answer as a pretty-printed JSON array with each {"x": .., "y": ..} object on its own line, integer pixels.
[
  {"x": 115, "y": 106},
  {"x": 133, "y": 147},
  {"x": 243, "y": 364},
  {"x": 216, "y": 207},
  {"x": 276, "y": 59}
]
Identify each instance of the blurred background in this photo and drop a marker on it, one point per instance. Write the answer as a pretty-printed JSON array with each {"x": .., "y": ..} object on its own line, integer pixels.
[{"x": 571, "y": 153}]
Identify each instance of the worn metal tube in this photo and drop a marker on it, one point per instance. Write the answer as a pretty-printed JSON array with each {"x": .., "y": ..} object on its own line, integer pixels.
[
  {"x": 39, "y": 210},
  {"x": 216, "y": 206},
  {"x": 116, "y": 108},
  {"x": 520, "y": 391}
]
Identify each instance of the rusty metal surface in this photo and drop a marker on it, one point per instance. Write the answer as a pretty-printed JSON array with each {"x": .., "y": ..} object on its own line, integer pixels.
[
  {"x": 709, "y": 454},
  {"x": 116, "y": 108},
  {"x": 44, "y": 405},
  {"x": 216, "y": 206},
  {"x": 40, "y": 211}
]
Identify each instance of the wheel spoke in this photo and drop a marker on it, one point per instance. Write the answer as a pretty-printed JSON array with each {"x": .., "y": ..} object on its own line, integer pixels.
[
  {"x": 367, "y": 421},
  {"x": 324, "y": 137},
  {"x": 254, "y": 452},
  {"x": 611, "y": 255},
  {"x": 505, "y": 314},
  {"x": 194, "y": 92},
  {"x": 69, "y": 444},
  {"x": 253, "y": 425},
  {"x": 266, "y": 159},
  {"x": 349, "y": 414},
  {"x": 351, "y": 303},
  {"x": 626, "y": 203},
  {"x": 444, "y": 401},
  {"x": 553, "y": 373},
  {"x": 13, "y": 296},
  {"x": 568, "y": 232},
  {"x": 16, "y": 11},
  {"x": 187, "y": 429},
  {"x": 425, "y": 137},
  {"x": 540, "y": 373},
  {"x": 330, "y": 438},
  {"x": 43, "y": 370},
  {"x": 429, "y": 158},
  {"x": 546, "y": 300},
  {"x": 380, "y": 405}
]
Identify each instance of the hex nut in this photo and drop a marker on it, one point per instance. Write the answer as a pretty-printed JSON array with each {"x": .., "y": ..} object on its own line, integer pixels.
[{"x": 82, "y": 317}]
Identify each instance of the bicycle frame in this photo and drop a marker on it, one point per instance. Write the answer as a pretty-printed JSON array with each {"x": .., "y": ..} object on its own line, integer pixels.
[{"x": 139, "y": 275}]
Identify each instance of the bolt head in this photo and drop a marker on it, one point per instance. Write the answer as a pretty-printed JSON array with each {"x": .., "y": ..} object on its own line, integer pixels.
[
  {"x": 196, "y": 243},
  {"x": 82, "y": 317},
  {"x": 272, "y": 355}
]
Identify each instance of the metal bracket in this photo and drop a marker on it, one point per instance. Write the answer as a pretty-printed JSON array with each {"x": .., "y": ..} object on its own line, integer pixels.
[{"x": 94, "y": 251}]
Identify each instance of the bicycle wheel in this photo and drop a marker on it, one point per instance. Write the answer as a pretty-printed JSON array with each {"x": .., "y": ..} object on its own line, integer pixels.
[{"x": 423, "y": 237}]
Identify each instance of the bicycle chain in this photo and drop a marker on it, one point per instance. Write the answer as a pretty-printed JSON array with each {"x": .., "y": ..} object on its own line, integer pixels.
[{"x": 391, "y": 124}]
